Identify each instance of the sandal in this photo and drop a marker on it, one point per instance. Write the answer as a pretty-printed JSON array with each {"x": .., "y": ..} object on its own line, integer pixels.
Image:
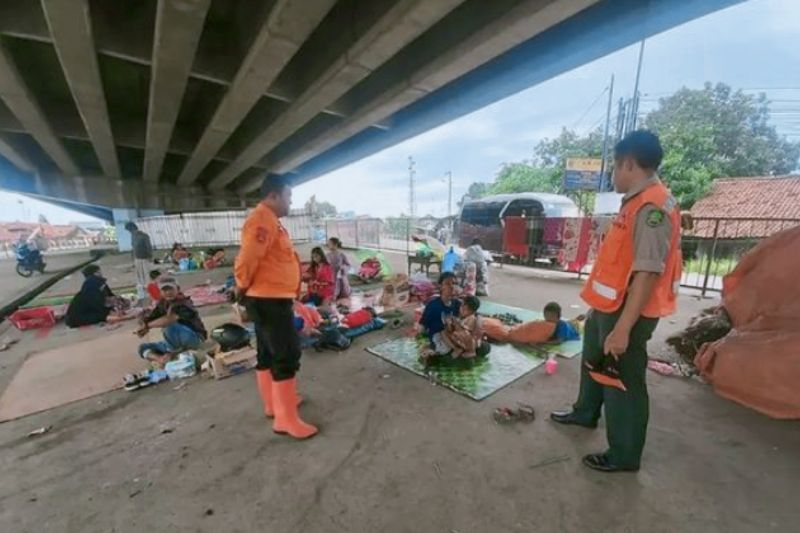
[{"x": 505, "y": 415}]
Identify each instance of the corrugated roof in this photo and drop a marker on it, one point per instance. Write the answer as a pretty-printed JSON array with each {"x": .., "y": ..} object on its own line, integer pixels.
[{"x": 770, "y": 200}]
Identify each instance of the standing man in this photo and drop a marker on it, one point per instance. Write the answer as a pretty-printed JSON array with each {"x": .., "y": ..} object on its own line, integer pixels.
[
  {"x": 267, "y": 272},
  {"x": 633, "y": 283},
  {"x": 142, "y": 257}
]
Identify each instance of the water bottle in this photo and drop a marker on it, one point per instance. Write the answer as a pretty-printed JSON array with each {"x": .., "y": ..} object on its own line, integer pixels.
[{"x": 551, "y": 365}]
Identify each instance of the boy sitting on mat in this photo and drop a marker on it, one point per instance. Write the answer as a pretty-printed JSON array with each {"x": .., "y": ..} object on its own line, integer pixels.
[
  {"x": 180, "y": 322},
  {"x": 464, "y": 336},
  {"x": 439, "y": 308}
]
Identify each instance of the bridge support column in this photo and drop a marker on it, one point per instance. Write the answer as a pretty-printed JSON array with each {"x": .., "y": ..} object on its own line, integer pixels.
[{"x": 122, "y": 216}]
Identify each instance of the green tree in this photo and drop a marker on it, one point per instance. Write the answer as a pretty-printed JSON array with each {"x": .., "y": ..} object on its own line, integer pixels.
[
  {"x": 715, "y": 131},
  {"x": 525, "y": 176},
  {"x": 554, "y": 152}
]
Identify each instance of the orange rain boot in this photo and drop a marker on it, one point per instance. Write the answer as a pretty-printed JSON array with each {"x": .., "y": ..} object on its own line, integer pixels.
[
  {"x": 264, "y": 381},
  {"x": 287, "y": 419}
]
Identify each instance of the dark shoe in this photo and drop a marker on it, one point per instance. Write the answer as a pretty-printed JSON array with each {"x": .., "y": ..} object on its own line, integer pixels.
[
  {"x": 600, "y": 462},
  {"x": 569, "y": 418}
]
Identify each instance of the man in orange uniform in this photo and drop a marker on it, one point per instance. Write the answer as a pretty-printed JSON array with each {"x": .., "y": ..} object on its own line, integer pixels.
[
  {"x": 633, "y": 283},
  {"x": 267, "y": 272}
]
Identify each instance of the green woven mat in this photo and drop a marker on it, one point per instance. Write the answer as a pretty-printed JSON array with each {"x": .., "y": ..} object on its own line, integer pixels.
[
  {"x": 568, "y": 349},
  {"x": 503, "y": 365}
]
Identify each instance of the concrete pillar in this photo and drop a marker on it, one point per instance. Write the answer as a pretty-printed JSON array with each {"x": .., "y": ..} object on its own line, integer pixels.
[{"x": 122, "y": 217}]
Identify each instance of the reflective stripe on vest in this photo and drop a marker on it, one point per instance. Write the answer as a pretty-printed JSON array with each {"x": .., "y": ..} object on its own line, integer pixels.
[{"x": 608, "y": 282}]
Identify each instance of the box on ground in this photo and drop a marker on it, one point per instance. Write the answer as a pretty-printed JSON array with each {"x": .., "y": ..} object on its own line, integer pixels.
[{"x": 225, "y": 364}]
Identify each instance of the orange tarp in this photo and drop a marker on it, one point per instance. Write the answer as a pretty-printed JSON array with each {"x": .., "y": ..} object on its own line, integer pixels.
[{"x": 758, "y": 363}]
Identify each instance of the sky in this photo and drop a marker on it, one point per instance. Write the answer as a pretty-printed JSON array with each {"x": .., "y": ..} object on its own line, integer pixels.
[{"x": 751, "y": 46}]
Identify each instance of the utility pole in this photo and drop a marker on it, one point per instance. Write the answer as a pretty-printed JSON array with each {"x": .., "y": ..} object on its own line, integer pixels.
[
  {"x": 635, "y": 103},
  {"x": 605, "y": 135},
  {"x": 449, "y": 193},
  {"x": 411, "y": 200}
]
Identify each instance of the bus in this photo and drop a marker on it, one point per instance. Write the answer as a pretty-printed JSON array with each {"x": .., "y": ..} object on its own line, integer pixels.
[{"x": 483, "y": 219}]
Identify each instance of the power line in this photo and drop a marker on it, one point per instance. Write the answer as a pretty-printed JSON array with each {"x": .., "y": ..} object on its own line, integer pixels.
[{"x": 594, "y": 102}]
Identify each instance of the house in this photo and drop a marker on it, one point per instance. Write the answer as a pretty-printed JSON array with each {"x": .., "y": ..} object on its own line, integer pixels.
[
  {"x": 56, "y": 236},
  {"x": 747, "y": 208}
]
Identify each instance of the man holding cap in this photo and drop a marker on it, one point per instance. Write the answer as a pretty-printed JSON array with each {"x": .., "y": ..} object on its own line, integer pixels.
[
  {"x": 268, "y": 281},
  {"x": 180, "y": 322}
]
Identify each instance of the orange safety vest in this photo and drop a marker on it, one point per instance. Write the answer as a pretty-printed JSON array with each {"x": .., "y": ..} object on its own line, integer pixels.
[{"x": 611, "y": 274}]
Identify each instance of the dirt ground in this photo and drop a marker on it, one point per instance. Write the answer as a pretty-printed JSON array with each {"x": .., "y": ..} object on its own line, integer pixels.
[{"x": 394, "y": 454}]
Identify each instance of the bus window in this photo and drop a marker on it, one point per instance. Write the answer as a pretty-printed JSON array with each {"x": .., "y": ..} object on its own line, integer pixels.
[
  {"x": 482, "y": 214},
  {"x": 531, "y": 208}
]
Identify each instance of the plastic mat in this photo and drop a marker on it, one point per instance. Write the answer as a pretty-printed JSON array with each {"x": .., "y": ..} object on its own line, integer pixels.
[{"x": 504, "y": 364}]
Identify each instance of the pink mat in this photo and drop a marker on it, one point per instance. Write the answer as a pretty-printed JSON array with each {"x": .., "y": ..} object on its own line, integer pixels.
[
  {"x": 206, "y": 295},
  {"x": 70, "y": 373}
]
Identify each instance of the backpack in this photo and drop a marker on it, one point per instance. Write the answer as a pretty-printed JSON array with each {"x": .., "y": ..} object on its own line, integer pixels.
[{"x": 332, "y": 339}]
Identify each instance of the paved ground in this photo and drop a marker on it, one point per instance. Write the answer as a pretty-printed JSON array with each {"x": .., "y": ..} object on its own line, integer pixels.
[
  {"x": 12, "y": 285},
  {"x": 395, "y": 454}
]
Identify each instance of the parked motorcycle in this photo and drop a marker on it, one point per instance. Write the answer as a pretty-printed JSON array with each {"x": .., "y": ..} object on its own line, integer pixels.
[{"x": 28, "y": 260}]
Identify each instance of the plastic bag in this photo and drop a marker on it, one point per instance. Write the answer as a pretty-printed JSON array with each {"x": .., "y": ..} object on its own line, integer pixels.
[{"x": 185, "y": 366}]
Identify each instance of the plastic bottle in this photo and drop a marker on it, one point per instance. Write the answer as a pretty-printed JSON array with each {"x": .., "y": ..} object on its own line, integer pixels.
[{"x": 551, "y": 365}]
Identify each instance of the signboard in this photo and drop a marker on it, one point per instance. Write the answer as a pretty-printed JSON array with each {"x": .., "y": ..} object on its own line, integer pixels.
[{"x": 583, "y": 174}]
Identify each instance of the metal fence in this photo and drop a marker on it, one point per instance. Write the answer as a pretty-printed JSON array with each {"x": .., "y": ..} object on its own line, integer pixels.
[
  {"x": 711, "y": 249},
  {"x": 392, "y": 233},
  {"x": 714, "y": 246},
  {"x": 220, "y": 228}
]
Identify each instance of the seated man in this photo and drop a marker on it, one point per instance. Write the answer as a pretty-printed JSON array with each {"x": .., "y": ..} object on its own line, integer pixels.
[
  {"x": 565, "y": 330},
  {"x": 180, "y": 322},
  {"x": 93, "y": 303},
  {"x": 436, "y": 310}
]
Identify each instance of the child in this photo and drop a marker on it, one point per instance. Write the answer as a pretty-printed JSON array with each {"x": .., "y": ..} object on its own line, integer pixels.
[
  {"x": 152, "y": 287},
  {"x": 464, "y": 335},
  {"x": 565, "y": 330}
]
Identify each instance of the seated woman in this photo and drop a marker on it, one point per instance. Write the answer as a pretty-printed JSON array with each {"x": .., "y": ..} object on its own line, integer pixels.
[
  {"x": 93, "y": 303},
  {"x": 178, "y": 252},
  {"x": 319, "y": 279},
  {"x": 180, "y": 322},
  {"x": 436, "y": 310}
]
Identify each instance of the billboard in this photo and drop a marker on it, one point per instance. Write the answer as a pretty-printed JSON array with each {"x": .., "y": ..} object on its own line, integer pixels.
[{"x": 583, "y": 174}]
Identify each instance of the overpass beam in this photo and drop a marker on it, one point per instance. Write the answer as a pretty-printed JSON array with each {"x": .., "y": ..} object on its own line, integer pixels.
[
  {"x": 22, "y": 104},
  {"x": 400, "y": 25},
  {"x": 519, "y": 24},
  {"x": 71, "y": 28},
  {"x": 286, "y": 28},
  {"x": 179, "y": 25},
  {"x": 15, "y": 157}
]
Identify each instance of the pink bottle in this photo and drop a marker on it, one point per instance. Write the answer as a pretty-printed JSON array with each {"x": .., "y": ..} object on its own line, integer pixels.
[{"x": 551, "y": 365}]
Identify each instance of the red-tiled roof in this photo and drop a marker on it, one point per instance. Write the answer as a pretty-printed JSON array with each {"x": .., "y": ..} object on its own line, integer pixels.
[
  {"x": 11, "y": 231},
  {"x": 773, "y": 201}
]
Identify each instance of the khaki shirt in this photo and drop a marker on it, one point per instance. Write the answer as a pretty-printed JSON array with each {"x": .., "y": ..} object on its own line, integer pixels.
[{"x": 652, "y": 233}]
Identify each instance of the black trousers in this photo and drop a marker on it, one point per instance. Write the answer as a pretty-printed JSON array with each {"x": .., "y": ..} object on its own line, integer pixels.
[{"x": 277, "y": 341}]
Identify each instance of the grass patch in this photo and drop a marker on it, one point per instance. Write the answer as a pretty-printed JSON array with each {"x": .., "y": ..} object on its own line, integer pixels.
[{"x": 719, "y": 267}]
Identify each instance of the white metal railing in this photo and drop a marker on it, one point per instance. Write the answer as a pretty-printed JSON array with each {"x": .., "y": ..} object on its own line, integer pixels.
[{"x": 220, "y": 228}]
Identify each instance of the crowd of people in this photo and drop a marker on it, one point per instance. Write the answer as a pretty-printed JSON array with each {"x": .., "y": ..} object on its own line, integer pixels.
[{"x": 632, "y": 285}]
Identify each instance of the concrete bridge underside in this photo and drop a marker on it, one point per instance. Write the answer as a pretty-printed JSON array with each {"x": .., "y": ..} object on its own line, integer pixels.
[{"x": 183, "y": 105}]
